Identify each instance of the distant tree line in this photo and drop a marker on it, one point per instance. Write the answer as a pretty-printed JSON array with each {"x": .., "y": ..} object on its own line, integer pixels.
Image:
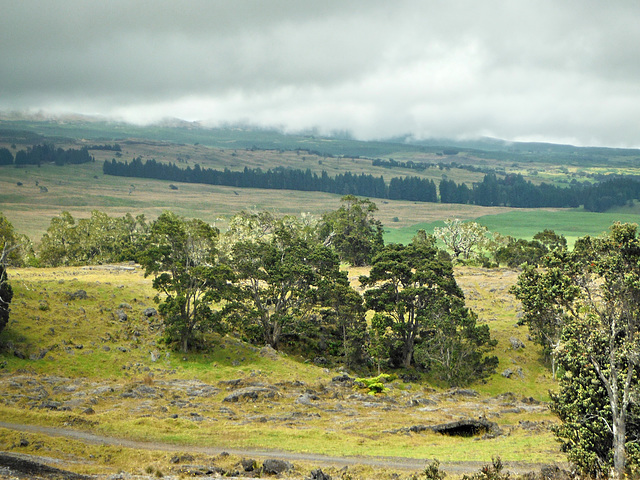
[
  {"x": 511, "y": 191},
  {"x": 45, "y": 153}
]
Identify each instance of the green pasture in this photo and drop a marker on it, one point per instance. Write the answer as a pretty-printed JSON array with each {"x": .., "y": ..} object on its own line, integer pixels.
[{"x": 573, "y": 224}]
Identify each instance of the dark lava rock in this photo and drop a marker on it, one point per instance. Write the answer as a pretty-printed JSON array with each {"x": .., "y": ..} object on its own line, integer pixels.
[
  {"x": 319, "y": 475},
  {"x": 77, "y": 295},
  {"x": 274, "y": 466},
  {"x": 251, "y": 393},
  {"x": 150, "y": 312}
]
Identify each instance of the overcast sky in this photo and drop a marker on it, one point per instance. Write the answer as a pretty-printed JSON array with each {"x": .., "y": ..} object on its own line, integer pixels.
[{"x": 561, "y": 71}]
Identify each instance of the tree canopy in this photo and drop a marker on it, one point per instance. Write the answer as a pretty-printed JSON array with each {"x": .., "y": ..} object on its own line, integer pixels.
[{"x": 592, "y": 296}]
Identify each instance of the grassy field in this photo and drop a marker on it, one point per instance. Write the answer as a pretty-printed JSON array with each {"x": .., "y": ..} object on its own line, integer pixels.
[{"x": 78, "y": 354}]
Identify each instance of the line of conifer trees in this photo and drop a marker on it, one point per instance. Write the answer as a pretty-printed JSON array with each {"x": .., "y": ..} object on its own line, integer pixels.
[
  {"x": 511, "y": 191},
  {"x": 45, "y": 153}
]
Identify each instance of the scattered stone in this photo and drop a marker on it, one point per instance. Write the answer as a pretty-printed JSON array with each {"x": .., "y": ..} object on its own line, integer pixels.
[
  {"x": 121, "y": 315},
  {"x": 320, "y": 361},
  {"x": 307, "y": 399},
  {"x": 51, "y": 405},
  {"x": 463, "y": 392},
  {"x": 319, "y": 475},
  {"x": 344, "y": 379},
  {"x": 269, "y": 352},
  {"x": 251, "y": 393},
  {"x": 553, "y": 472},
  {"x": 273, "y": 466},
  {"x": 507, "y": 373},
  {"x": 155, "y": 355},
  {"x": 516, "y": 344},
  {"x": 420, "y": 402},
  {"x": 122, "y": 349},
  {"x": 31, "y": 469},
  {"x": 125, "y": 306},
  {"x": 150, "y": 312},
  {"x": 249, "y": 464},
  {"x": 77, "y": 295},
  {"x": 89, "y": 411}
]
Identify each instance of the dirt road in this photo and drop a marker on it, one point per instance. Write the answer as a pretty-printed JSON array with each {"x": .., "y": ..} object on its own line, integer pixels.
[{"x": 400, "y": 463}]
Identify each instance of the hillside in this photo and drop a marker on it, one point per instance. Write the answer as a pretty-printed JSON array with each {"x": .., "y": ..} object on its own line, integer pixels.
[{"x": 88, "y": 367}]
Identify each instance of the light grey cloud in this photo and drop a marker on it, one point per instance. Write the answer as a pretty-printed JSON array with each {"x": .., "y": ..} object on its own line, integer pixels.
[{"x": 547, "y": 70}]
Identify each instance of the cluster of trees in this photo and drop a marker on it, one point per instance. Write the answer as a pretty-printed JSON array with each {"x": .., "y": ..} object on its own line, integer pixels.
[
  {"x": 45, "y": 153},
  {"x": 277, "y": 281},
  {"x": 584, "y": 309},
  {"x": 470, "y": 242},
  {"x": 511, "y": 191}
]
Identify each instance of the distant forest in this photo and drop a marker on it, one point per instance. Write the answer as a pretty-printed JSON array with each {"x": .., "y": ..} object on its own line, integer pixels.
[
  {"x": 42, "y": 154},
  {"x": 511, "y": 191}
]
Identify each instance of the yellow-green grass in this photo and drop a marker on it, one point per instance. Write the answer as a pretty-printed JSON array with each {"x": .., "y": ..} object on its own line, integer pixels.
[{"x": 359, "y": 430}]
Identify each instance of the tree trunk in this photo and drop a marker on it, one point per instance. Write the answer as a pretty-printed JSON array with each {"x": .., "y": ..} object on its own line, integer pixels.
[{"x": 619, "y": 449}]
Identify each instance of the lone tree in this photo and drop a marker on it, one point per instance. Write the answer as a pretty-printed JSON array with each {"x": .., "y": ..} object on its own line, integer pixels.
[
  {"x": 419, "y": 304},
  {"x": 594, "y": 292},
  {"x": 182, "y": 256},
  {"x": 462, "y": 237}
]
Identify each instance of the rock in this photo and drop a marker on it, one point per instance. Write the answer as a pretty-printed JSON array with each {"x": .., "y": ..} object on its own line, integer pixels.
[
  {"x": 203, "y": 390},
  {"x": 553, "y": 472},
  {"x": 464, "y": 428},
  {"x": 121, "y": 315},
  {"x": 89, "y": 411},
  {"x": 319, "y": 475},
  {"x": 274, "y": 466},
  {"x": 77, "y": 295},
  {"x": 320, "y": 361},
  {"x": 307, "y": 399},
  {"x": 150, "y": 312},
  {"x": 507, "y": 373},
  {"x": 251, "y": 393},
  {"x": 155, "y": 355},
  {"x": 344, "y": 378},
  {"x": 421, "y": 401},
  {"x": 464, "y": 392},
  {"x": 51, "y": 405},
  {"x": 125, "y": 306},
  {"x": 181, "y": 458},
  {"x": 516, "y": 344},
  {"x": 269, "y": 352},
  {"x": 248, "y": 464}
]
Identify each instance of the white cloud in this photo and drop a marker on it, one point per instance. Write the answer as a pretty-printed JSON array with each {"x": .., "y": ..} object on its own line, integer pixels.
[{"x": 510, "y": 68}]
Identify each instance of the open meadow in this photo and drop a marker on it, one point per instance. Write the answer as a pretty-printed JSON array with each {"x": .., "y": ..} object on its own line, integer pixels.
[
  {"x": 87, "y": 383},
  {"x": 73, "y": 360}
]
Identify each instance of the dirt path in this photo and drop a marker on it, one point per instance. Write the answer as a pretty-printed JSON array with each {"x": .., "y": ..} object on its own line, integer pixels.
[{"x": 401, "y": 463}]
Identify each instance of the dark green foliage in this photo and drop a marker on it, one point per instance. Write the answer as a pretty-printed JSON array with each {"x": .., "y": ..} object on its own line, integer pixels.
[
  {"x": 421, "y": 316},
  {"x": 182, "y": 256},
  {"x": 432, "y": 471},
  {"x": 286, "y": 279},
  {"x": 593, "y": 295},
  {"x": 520, "y": 251},
  {"x": 6, "y": 294},
  {"x": 45, "y": 153},
  {"x": 353, "y": 231},
  {"x": 6, "y": 158},
  {"x": 490, "y": 472}
]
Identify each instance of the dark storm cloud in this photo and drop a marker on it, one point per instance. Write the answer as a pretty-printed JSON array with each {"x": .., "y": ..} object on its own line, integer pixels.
[{"x": 563, "y": 71}]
